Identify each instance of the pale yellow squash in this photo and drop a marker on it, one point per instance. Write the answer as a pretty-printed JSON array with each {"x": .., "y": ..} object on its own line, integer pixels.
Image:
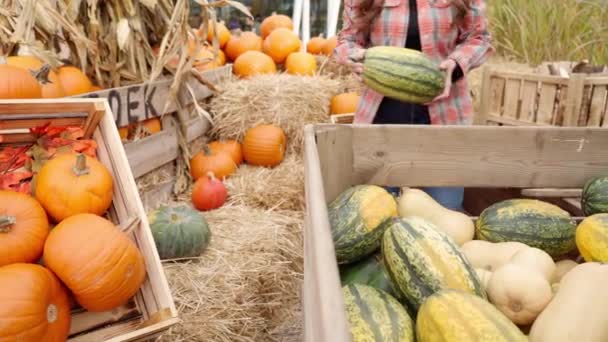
[
  {"x": 415, "y": 202},
  {"x": 484, "y": 277},
  {"x": 579, "y": 310},
  {"x": 562, "y": 267},
  {"x": 520, "y": 293},
  {"x": 536, "y": 260},
  {"x": 490, "y": 255}
]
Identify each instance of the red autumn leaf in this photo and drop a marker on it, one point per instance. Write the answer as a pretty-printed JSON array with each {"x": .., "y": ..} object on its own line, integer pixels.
[
  {"x": 10, "y": 181},
  {"x": 12, "y": 158},
  {"x": 1, "y": 138},
  {"x": 24, "y": 187},
  {"x": 47, "y": 130},
  {"x": 73, "y": 133}
]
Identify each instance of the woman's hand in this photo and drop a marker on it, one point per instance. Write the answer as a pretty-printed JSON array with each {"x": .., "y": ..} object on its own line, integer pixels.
[
  {"x": 448, "y": 65},
  {"x": 355, "y": 62}
]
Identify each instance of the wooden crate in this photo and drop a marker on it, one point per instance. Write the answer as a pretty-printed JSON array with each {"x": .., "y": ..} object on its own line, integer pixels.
[
  {"x": 152, "y": 310},
  {"x": 476, "y": 157},
  {"x": 342, "y": 118},
  {"x": 535, "y": 98}
]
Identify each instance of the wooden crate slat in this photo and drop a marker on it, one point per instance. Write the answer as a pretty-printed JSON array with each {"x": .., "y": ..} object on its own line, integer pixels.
[
  {"x": 511, "y": 100},
  {"x": 561, "y": 106},
  {"x": 528, "y": 101},
  {"x": 585, "y": 106},
  {"x": 596, "y": 109},
  {"x": 496, "y": 96},
  {"x": 546, "y": 103},
  {"x": 86, "y": 321}
]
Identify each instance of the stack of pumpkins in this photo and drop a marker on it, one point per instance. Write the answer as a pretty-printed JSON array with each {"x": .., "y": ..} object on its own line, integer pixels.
[
  {"x": 84, "y": 256},
  {"x": 412, "y": 270},
  {"x": 263, "y": 145},
  {"x": 27, "y": 77}
]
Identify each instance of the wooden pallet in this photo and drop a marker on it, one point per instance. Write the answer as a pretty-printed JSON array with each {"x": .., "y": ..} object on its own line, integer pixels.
[
  {"x": 152, "y": 310},
  {"x": 538, "y": 99},
  {"x": 488, "y": 161}
]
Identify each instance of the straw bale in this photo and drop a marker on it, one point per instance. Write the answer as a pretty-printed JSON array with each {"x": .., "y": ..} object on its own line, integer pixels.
[
  {"x": 288, "y": 101},
  {"x": 246, "y": 285}
]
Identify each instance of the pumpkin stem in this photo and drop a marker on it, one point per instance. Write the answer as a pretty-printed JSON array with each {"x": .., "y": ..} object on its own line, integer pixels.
[
  {"x": 211, "y": 175},
  {"x": 81, "y": 168},
  {"x": 206, "y": 150},
  {"x": 2, "y": 59},
  {"x": 42, "y": 75},
  {"x": 6, "y": 222}
]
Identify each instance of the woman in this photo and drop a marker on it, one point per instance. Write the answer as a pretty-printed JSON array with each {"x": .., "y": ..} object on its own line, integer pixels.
[{"x": 452, "y": 32}]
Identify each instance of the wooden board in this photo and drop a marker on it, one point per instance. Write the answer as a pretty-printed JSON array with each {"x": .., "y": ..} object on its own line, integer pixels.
[
  {"x": 140, "y": 102},
  {"x": 597, "y": 107},
  {"x": 484, "y": 159},
  {"x": 154, "y": 297}
]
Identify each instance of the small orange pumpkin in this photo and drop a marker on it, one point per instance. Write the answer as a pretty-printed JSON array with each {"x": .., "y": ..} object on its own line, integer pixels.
[
  {"x": 280, "y": 43},
  {"x": 232, "y": 147},
  {"x": 301, "y": 63},
  {"x": 73, "y": 183},
  {"x": 74, "y": 81},
  {"x": 273, "y": 22},
  {"x": 264, "y": 145},
  {"x": 18, "y": 83},
  {"x": 96, "y": 260},
  {"x": 220, "y": 164},
  {"x": 24, "y": 227},
  {"x": 34, "y": 305},
  {"x": 345, "y": 103},
  {"x": 253, "y": 63},
  {"x": 153, "y": 125},
  {"x": 330, "y": 45},
  {"x": 96, "y": 88},
  {"x": 247, "y": 41},
  {"x": 223, "y": 33},
  {"x": 315, "y": 45},
  {"x": 49, "y": 81}
]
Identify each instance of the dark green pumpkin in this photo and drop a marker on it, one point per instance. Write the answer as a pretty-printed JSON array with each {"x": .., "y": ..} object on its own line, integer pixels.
[
  {"x": 179, "y": 232},
  {"x": 595, "y": 196}
]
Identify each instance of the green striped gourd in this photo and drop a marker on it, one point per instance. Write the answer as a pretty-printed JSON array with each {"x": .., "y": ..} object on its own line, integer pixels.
[
  {"x": 595, "y": 196},
  {"x": 454, "y": 315},
  {"x": 532, "y": 222},
  {"x": 403, "y": 74},
  {"x": 369, "y": 271},
  {"x": 374, "y": 315},
  {"x": 358, "y": 217},
  {"x": 421, "y": 260}
]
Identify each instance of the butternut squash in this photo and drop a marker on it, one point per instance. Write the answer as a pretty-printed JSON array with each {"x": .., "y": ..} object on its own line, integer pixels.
[
  {"x": 484, "y": 277},
  {"x": 562, "y": 267},
  {"x": 579, "y": 310},
  {"x": 519, "y": 292},
  {"x": 490, "y": 255},
  {"x": 415, "y": 202},
  {"x": 535, "y": 259}
]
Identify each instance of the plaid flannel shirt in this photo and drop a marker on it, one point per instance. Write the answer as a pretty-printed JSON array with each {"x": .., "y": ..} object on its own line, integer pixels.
[{"x": 468, "y": 44}]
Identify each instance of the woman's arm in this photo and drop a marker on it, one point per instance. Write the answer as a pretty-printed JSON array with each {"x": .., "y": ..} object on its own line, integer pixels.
[
  {"x": 351, "y": 38},
  {"x": 475, "y": 40}
]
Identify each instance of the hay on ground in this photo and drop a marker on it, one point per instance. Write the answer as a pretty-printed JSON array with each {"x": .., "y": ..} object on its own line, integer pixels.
[
  {"x": 246, "y": 286},
  {"x": 288, "y": 101},
  {"x": 281, "y": 187}
]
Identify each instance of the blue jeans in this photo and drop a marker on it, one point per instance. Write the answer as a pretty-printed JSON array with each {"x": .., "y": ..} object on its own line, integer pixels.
[{"x": 449, "y": 197}]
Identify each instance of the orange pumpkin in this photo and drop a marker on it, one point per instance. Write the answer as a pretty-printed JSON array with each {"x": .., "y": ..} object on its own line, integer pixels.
[
  {"x": 153, "y": 125},
  {"x": 264, "y": 145},
  {"x": 23, "y": 228},
  {"x": 96, "y": 88},
  {"x": 345, "y": 103},
  {"x": 281, "y": 42},
  {"x": 206, "y": 61},
  {"x": 73, "y": 183},
  {"x": 34, "y": 305},
  {"x": 49, "y": 81},
  {"x": 18, "y": 83},
  {"x": 315, "y": 45},
  {"x": 232, "y": 147},
  {"x": 98, "y": 262},
  {"x": 273, "y": 22},
  {"x": 124, "y": 132},
  {"x": 220, "y": 164},
  {"x": 253, "y": 63},
  {"x": 301, "y": 63},
  {"x": 74, "y": 81},
  {"x": 247, "y": 41},
  {"x": 330, "y": 45},
  {"x": 223, "y": 33}
]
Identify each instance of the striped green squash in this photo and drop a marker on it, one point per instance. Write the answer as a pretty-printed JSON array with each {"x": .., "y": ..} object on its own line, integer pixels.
[
  {"x": 421, "y": 260},
  {"x": 532, "y": 222},
  {"x": 374, "y": 315},
  {"x": 454, "y": 315},
  {"x": 595, "y": 196},
  {"x": 402, "y": 74},
  {"x": 358, "y": 217},
  {"x": 369, "y": 271}
]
